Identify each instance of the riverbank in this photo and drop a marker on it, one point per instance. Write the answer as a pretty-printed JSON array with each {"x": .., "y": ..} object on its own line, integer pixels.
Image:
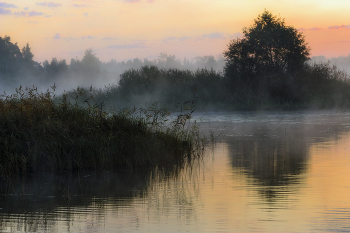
[{"x": 38, "y": 134}]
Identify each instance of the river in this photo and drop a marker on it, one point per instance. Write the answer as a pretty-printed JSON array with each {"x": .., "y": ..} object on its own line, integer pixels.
[{"x": 271, "y": 171}]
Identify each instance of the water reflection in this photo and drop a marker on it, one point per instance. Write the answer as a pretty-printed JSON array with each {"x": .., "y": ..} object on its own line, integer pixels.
[
  {"x": 42, "y": 201},
  {"x": 272, "y": 149},
  {"x": 285, "y": 172}
]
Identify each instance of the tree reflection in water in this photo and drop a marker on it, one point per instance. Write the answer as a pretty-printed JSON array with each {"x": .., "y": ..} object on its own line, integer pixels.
[{"x": 275, "y": 154}]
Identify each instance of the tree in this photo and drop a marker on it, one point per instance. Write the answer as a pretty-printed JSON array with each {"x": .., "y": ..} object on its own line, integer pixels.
[
  {"x": 267, "y": 46},
  {"x": 10, "y": 55},
  {"x": 90, "y": 64},
  {"x": 27, "y": 54}
]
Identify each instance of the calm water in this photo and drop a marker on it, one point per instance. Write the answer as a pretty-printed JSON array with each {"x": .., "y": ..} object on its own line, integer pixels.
[{"x": 268, "y": 172}]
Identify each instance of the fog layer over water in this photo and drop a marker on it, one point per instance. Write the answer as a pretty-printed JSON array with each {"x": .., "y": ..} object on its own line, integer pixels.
[{"x": 267, "y": 172}]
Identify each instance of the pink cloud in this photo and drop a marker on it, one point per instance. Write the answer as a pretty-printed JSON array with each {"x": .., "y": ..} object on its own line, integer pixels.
[
  {"x": 5, "y": 11},
  {"x": 309, "y": 29},
  {"x": 35, "y": 13},
  {"x": 338, "y": 27},
  {"x": 79, "y": 5},
  {"x": 20, "y": 13},
  {"x": 185, "y": 38},
  {"x": 48, "y": 4},
  {"x": 27, "y": 14},
  {"x": 314, "y": 29},
  {"x": 110, "y": 38},
  {"x": 168, "y": 39},
  {"x": 215, "y": 35},
  {"x": 235, "y": 35},
  {"x": 6, "y": 5},
  {"x": 57, "y": 36}
]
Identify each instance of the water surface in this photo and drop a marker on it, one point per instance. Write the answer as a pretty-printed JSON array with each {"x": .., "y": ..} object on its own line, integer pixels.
[{"x": 267, "y": 172}]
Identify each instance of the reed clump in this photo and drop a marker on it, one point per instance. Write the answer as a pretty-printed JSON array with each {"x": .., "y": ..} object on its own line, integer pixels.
[{"x": 39, "y": 132}]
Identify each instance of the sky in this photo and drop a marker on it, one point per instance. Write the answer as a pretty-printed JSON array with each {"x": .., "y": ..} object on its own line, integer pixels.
[{"x": 126, "y": 29}]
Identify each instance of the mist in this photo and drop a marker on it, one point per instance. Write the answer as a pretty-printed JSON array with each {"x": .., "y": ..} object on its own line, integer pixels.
[
  {"x": 87, "y": 72},
  {"x": 342, "y": 62},
  {"x": 212, "y": 82}
]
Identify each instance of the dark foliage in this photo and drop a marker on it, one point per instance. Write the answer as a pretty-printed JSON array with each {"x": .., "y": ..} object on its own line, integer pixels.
[
  {"x": 262, "y": 63},
  {"x": 268, "y": 46}
]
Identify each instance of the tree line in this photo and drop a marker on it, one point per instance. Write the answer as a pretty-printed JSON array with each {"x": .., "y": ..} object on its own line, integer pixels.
[
  {"x": 18, "y": 66},
  {"x": 268, "y": 68}
]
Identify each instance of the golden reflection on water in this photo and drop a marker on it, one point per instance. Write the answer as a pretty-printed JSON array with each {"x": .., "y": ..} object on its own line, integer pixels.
[
  {"x": 300, "y": 194},
  {"x": 263, "y": 178}
]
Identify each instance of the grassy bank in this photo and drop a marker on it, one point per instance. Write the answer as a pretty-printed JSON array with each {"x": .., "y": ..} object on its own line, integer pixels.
[{"x": 39, "y": 133}]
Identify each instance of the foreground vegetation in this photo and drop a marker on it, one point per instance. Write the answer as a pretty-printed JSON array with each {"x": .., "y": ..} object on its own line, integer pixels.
[{"x": 42, "y": 133}]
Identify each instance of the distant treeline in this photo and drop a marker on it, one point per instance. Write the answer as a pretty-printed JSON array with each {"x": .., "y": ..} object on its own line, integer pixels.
[
  {"x": 212, "y": 83},
  {"x": 18, "y": 67},
  {"x": 315, "y": 86}
]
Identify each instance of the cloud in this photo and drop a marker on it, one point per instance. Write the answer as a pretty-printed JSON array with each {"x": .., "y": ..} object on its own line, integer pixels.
[
  {"x": 173, "y": 39},
  {"x": 48, "y": 4},
  {"x": 235, "y": 35},
  {"x": 33, "y": 22},
  {"x": 5, "y": 5},
  {"x": 345, "y": 41},
  {"x": 27, "y": 14},
  {"x": 110, "y": 38},
  {"x": 309, "y": 29},
  {"x": 215, "y": 35},
  {"x": 86, "y": 14},
  {"x": 90, "y": 37},
  {"x": 314, "y": 29},
  {"x": 184, "y": 38},
  {"x": 67, "y": 39},
  {"x": 169, "y": 39},
  {"x": 150, "y": 1},
  {"x": 5, "y": 11},
  {"x": 128, "y": 46},
  {"x": 80, "y": 5},
  {"x": 26, "y": 8},
  {"x": 35, "y": 13},
  {"x": 20, "y": 13},
  {"x": 342, "y": 26},
  {"x": 57, "y": 36}
]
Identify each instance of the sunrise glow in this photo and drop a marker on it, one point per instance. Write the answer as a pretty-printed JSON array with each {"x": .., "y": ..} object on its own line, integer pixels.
[{"x": 125, "y": 29}]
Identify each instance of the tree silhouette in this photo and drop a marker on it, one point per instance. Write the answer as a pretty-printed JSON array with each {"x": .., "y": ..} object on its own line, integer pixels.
[
  {"x": 10, "y": 55},
  {"x": 90, "y": 64},
  {"x": 267, "y": 46},
  {"x": 27, "y": 54},
  {"x": 263, "y": 65}
]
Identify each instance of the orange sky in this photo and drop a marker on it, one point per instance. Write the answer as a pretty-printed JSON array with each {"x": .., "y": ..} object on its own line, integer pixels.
[{"x": 125, "y": 29}]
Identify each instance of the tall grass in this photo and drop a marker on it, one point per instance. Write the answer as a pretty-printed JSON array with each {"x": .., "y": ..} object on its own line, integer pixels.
[{"x": 40, "y": 133}]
